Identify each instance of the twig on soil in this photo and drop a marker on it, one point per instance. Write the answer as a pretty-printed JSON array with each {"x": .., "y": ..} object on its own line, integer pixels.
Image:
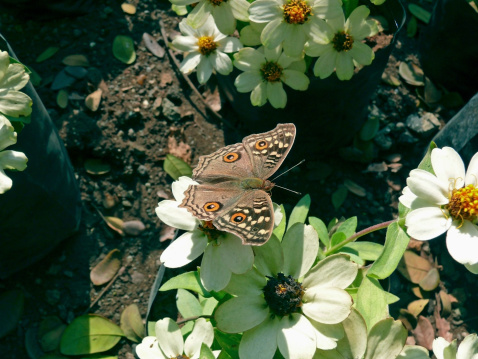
[
  {"x": 120, "y": 272},
  {"x": 188, "y": 80}
]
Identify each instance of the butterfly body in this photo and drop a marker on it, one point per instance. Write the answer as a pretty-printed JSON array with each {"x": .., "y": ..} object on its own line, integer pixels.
[{"x": 233, "y": 184}]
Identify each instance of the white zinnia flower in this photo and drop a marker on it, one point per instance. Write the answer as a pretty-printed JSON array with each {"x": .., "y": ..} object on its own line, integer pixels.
[
  {"x": 468, "y": 348},
  {"x": 206, "y": 47},
  {"x": 264, "y": 72},
  {"x": 224, "y": 252},
  {"x": 290, "y": 22},
  {"x": 446, "y": 201},
  {"x": 169, "y": 343},
  {"x": 284, "y": 303},
  {"x": 339, "y": 44},
  {"x": 224, "y": 12},
  {"x": 9, "y": 160}
]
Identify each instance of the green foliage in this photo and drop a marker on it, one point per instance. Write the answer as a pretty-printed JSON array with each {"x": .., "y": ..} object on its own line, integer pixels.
[
  {"x": 420, "y": 13},
  {"x": 300, "y": 211},
  {"x": 349, "y": 6},
  {"x": 366, "y": 250},
  {"x": 176, "y": 167},
  {"x": 123, "y": 49},
  {"x": 228, "y": 342},
  {"x": 132, "y": 324},
  {"x": 321, "y": 230},
  {"x": 371, "y": 301},
  {"x": 426, "y": 163},
  {"x": 188, "y": 305},
  {"x": 189, "y": 280},
  {"x": 206, "y": 352}
]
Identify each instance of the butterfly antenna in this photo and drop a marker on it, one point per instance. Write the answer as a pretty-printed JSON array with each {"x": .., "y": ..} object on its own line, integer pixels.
[
  {"x": 283, "y": 173},
  {"x": 297, "y": 193}
]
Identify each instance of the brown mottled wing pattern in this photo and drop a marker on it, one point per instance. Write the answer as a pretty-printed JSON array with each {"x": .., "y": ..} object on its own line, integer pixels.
[
  {"x": 212, "y": 168},
  {"x": 279, "y": 142},
  {"x": 256, "y": 229},
  {"x": 225, "y": 194}
]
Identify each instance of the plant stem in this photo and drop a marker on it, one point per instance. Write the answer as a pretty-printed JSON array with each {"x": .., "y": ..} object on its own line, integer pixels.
[
  {"x": 363, "y": 232},
  {"x": 192, "y": 318}
]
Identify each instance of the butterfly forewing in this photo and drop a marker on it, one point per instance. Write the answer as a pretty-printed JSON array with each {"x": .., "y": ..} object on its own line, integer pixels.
[
  {"x": 268, "y": 150},
  {"x": 251, "y": 218}
]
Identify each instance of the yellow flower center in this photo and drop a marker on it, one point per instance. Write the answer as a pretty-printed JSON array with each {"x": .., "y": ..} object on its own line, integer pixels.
[
  {"x": 463, "y": 204},
  {"x": 297, "y": 12},
  {"x": 271, "y": 71},
  {"x": 207, "y": 45},
  {"x": 342, "y": 41}
]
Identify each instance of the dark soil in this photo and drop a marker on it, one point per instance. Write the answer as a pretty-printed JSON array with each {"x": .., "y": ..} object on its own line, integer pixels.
[{"x": 132, "y": 132}]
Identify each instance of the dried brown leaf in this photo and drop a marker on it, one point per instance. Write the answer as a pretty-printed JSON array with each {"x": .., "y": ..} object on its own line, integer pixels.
[
  {"x": 413, "y": 267},
  {"x": 106, "y": 269},
  {"x": 179, "y": 149},
  {"x": 416, "y": 307},
  {"x": 355, "y": 188},
  {"x": 424, "y": 333},
  {"x": 133, "y": 228}
]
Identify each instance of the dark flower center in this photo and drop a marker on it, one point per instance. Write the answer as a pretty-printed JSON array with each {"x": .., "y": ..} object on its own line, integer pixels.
[
  {"x": 283, "y": 294},
  {"x": 342, "y": 41},
  {"x": 210, "y": 231},
  {"x": 271, "y": 71},
  {"x": 296, "y": 12}
]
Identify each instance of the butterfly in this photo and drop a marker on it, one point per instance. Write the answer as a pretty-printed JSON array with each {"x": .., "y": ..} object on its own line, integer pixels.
[{"x": 233, "y": 184}]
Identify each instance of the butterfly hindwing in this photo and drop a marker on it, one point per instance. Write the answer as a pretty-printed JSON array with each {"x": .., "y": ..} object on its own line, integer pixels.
[
  {"x": 251, "y": 218},
  {"x": 268, "y": 150}
]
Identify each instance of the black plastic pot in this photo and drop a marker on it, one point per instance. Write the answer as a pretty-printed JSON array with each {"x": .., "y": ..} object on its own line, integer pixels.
[
  {"x": 330, "y": 112},
  {"x": 448, "y": 51},
  {"x": 43, "y": 207}
]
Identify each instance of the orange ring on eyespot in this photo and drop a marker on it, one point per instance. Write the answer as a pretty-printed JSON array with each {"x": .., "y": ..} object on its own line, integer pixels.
[
  {"x": 231, "y": 157},
  {"x": 261, "y": 145},
  {"x": 239, "y": 216},
  {"x": 212, "y": 206}
]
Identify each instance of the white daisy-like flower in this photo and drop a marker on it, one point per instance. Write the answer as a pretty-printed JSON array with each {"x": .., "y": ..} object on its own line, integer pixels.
[
  {"x": 250, "y": 35},
  {"x": 9, "y": 160},
  {"x": 468, "y": 348},
  {"x": 169, "y": 343},
  {"x": 224, "y": 12},
  {"x": 446, "y": 201},
  {"x": 290, "y": 22},
  {"x": 224, "y": 252},
  {"x": 338, "y": 43},
  {"x": 286, "y": 303},
  {"x": 206, "y": 47},
  {"x": 264, "y": 72}
]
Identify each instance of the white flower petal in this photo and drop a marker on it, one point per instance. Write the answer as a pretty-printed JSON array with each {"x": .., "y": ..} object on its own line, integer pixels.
[
  {"x": 240, "y": 9},
  {"x": 269, "y": 259},
  {"x": 314, "y": 49},
  {"x": 334, "y": 271},
  {"x": 187, "y": 29},
  {"x": 277, "y": 214},
  {"x": 241, "y": 313},
  {"x": 185, "y": 43},
  {"x": 439, "y": 345},
  {"x": 221, "y": 62},
  {"x": 250, "y": 37},
  {"x": 204, "y": 70},
  {"x": 327, "y": 305},
  {"x": 250, "y": 283},
  {"x": 300, "y": 246},
  {"x": 13, "y": 160},
  {"x": 413, "y": 352},
  {"x": 200, "y": 14},
  {"x": 202, "y": 333},
  {"x": 169, "y": 213},
  {"x": 225, "y": 21},
  {"x": 273, "y": 34},
  {"x": 468, "y": 348},
  {"x": 471, "y": 172},
  {"x": 15, "y": 103},
  {"x": 321, "y": 33},
  {"x": 214, "y": 271},
  {"x": 8, "y": 136},
  {"x": 344, "y": 66},
  {"x": 327, "y": 335},
  {"x": 169, "y": 337},
  {"x": 237, "y": 257},
  {"x": 294, "y": 40},
  {"x": 15, "y": 78},
  {"x": 184, "y": 249},
  {"x": 357, "y": 18},
  {"x": 462, "y": 242},
  {"x": 362, "y": 53},
  {"x": 296, "y": 339},
  {"x": 264, "y": 11},
  {"x": 149, "y": 349},
  {"x": 247, "y": 81},
  {"x": 325, "y": 65},
  {"x": 273, "y": 53},
  {"x": 427, "y": 223},
  {"x": 259, "y": 95},
  {"x": 473, "y": 268},
  {"x": 260, "y": 342},
  {"x": 183, "y": 2},
  {"x": 229, "y": 44},
  {"x": 4, "y": 62},
  {"x": 190, "y": 62},
  {"x": 427, "y": 186},
  {"x": 409, "y": 200},
  {"x": 5, "y": 182},
  {"x": 295, "y": 79},
  {"x": 448, "y": 167},
  {"x": 180, "y": 186},
  {"x": 276, "y": 94},
  {"x": 248, "y": 59},
  {"x": 327, "y": 9}
]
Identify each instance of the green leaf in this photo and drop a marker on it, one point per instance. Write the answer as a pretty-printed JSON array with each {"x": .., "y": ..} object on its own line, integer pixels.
[
  {"x": 412, "y": 27},
  {"x": 321, "y": 229},
  {"x": 49, "y": 333},
  {"x": 76, "y": 60},
  {"x": 280, "y": 229},
  {"x": 123, "y": 49},
  {"x": 62, "y": 99},
  {"x": 21, "y": 119},
  {"x": 132, "y": 324},
  {"x": 402, "y": 210},
  {"x": 411, "y": 73},
  {"x": 377, "y": 2},
  {"x": 426, "y": 163},
  {"x": 45, "y": 55},
  {"x": 386, "y": 339},
  {"x": 207, "y": 304},
  {"x": 337, "y": 238},
  {"x": 369, "y": 129},
  {"x": 368, "y": 251},
  {"x": 300, "y": 211},
  {"x": 11, "y": 310},
  {"x": 187, "y": 328},
  {"x": 348, "y": 227},
  {"x": 420, "y": 13},
  {"x": 176, "y": 167},
  {"x": 396, "y": 243},
  {"x": 35, "y": 78},
  {"x": 188, "y": 305},
  {"x": 391, "y": 298},
  {"x": 15, "y": 61},
  {"x": 339, "y": 196},
  {"x": 89, "y": 334},
  {"x": 371, "y": 301},
  {"x": 349, "y": 6},
  {"x": 223, "y": 355},
  {"x": 206, "y": 352},
  {"x": 189, "y": 280},
  {"x": 228, "y": 343}
]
